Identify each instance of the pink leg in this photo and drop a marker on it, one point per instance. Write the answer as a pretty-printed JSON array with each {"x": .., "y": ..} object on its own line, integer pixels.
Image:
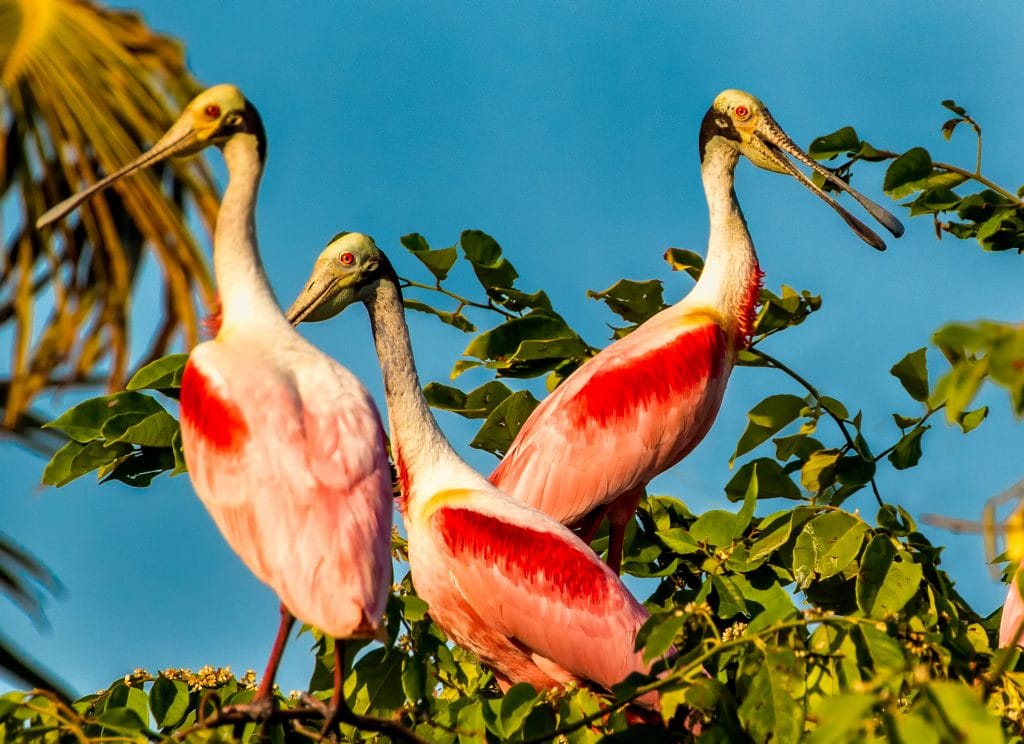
[
  {"x": 587, "y": 525},
  {"x": 620, "y": 514},
  {"x": 266, "y": 689}
]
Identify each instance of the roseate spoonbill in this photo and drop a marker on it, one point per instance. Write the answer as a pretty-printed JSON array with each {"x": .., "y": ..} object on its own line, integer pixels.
[
  {"x": 1013, "y": 614},
  {"x": 644, "y": 402},
  {"x": 501, "y": 578},
  {"x": 284, "y": 445},
  {"x": 1013, "y": 607}
]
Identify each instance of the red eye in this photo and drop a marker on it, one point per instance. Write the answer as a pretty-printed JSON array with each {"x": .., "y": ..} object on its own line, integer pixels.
[
  {"x": 742, "y": 112},
  {"x": 213, "y": 111},
  {"x": 347, "y": 259}
]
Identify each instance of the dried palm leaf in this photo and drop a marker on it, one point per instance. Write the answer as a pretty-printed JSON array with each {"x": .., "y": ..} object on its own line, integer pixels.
[{"x": 82, "y": 91}]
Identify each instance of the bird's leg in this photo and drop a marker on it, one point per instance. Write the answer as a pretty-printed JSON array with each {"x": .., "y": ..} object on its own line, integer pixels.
[
  {"x": 262, "y": 705},
  {"x": 587, "y": 525},
  {"x": 265, "y": 692},
  {"x": 620, "y": 514}
]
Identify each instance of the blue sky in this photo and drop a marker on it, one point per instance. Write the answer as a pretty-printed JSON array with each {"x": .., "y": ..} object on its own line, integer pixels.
[{"x": 568, "y": 132}]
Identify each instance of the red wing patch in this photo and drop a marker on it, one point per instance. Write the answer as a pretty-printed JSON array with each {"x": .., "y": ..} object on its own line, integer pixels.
[
  {"x": 548, "y": 563},
  {"x": 217, "y": 420},
  {"x": 653, "y": 379}
]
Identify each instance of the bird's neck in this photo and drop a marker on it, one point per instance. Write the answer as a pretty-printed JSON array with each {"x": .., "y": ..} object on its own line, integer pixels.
[
  {"x": 731, "y": 277},
  {"x": 245, "y": 294},
  {"x": 417, "y": 442}
]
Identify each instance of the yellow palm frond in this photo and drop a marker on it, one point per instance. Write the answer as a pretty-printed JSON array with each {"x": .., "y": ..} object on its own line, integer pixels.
[{"x": 82, "y": 90}]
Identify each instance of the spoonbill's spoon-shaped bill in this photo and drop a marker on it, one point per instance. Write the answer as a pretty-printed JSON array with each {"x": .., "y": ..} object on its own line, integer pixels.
[{"x": 745, "y": 120}]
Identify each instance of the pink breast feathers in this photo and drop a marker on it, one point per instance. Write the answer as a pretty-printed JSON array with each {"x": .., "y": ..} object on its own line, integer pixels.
[
  {"x": 215, "y": 419},
  {"x": 546, "y": 563},
  {"x": 650, "y": 380}
]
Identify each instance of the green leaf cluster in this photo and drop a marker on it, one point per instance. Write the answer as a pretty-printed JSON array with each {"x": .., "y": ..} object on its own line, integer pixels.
[
  {"x": 128, "y": 436},
  {"x": 809, "y": 622},
  {"x": 990, "y": 214}
]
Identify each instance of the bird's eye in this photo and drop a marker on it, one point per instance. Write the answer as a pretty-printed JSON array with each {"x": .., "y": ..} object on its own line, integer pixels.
[
  {"x": 347, "y": 259},
  {"x": 742, "y": 112},
  {"x": 213, "y": 111}
]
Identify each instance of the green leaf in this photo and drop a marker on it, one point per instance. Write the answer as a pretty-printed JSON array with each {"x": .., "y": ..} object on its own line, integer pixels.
[
  {"x": 829, "y": 146},
  {"x": 908, "y": 449},
  {"x": 121, "y": 720},
  {"x": 772, "y": 482},
  {"x": 659, "y": 633},
  {"x": 785, "y": 311},
  {"x": 887, "y": 660},
  {"x": 516, "y": 706},
  {"x": 913, "y": 165},
  {"x": 84, "y": 422},
  {"x": 681, "y": 259},
  {"x": 774, "y": 531},
  {"x": 715, "y": 528},
  {"x": 768, "y": 711},
  {"x": 887, "y": 578},
  {"x": 538, "y": 335},
  {"x": 841, "y": 718},
  {"x": 970, "y": 420},
  {"x": 766, "y": 419},
  {"x": 951, "y": 105},
  {"x": 476, "y": 404},
  {"x": 819, "y": 471},
  {"x": 730, "y": 598},
  {"x": 912, "y": 372},
  {"x": 965, "y": 712},
  {"x": 504, "y": 422},
  {"x": 75, "y": 459},
  {"x": 439, "y": 262},
  {"x": 414, "y": 608},
  {"x": 152, "y": 430},
  {"x": 827, "y": 545},
  {"x": 123, "y": 697},
  {"x": 632, "y": 301},
  {"x": 169, "y": 701},
  {"x": 378, "y": 686},
  {"x": 491, "y": 268},
  {"x": 679, "y": 541},
  {"x": 163, "y": 374},
  {"x": 766, "y": 600}
]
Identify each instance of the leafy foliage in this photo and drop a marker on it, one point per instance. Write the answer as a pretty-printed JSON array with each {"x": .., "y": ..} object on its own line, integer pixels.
[
  {"x": 99, "y": 84},
  {"x": 811, "y": 622},
  {"x": 808, "y": 622}
]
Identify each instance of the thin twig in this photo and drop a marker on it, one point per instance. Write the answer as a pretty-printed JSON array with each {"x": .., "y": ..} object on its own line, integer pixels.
[
  {"x": 841, "y": 423},
  {"x": 463, "y": 301}
]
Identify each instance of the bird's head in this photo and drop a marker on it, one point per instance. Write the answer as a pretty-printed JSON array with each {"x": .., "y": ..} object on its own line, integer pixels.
[
  {"x": 739, "y": 122},
  {"x": 347, "y": 271},
  {"x": 211, "y": 118}
]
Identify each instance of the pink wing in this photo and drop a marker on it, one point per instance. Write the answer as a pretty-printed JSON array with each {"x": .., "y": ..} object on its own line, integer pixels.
[
  {"x": 290, "y": 462},
  {"x": 626, "y": 415},
  {"x": 538, "y": 584},
  {"x": 1013, "y": 615}
]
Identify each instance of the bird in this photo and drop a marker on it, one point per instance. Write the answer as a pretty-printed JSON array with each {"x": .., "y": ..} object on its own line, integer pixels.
[
  {"x": 1013, "y": 607},
  {"x": 501, "y": 578},
  {"x": 284, "y": 445},
  {"x": 644, "y": 402}
]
